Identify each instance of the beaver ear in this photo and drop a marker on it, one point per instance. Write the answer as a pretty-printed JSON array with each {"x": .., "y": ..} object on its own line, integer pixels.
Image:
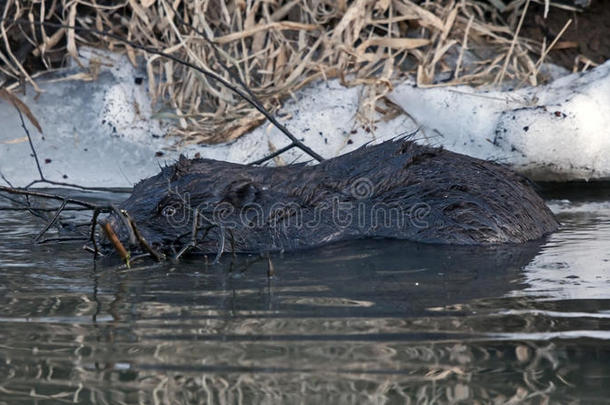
[
  {"x": 181, "y": 167},
  {"x": 240, "y": 193}
]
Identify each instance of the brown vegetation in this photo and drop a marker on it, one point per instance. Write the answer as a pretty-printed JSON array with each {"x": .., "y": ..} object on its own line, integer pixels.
[{"x": 277, "y": 47}]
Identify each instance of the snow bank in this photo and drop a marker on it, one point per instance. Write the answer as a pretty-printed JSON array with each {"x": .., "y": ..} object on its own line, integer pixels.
[
  {"x": 95, "y": 133},
  {"x": 104, "y": 132},
  {"x": 556, "y": 132}
]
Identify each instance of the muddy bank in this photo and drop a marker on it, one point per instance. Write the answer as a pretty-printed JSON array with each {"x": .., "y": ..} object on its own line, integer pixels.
[{"x": 586, "y": 36}]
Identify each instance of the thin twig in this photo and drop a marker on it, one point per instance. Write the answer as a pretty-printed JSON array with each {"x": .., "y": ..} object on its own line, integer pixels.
[
  {"x": 221, "y": 245},
  {"x": 463, "y": 48},
  {"x": 43, "y": 179},
  {"x": 143, "y": 243},
  {"x": 15, "y": 201},
  {"x": 116, "y": 242},
  {"x": 40, "y": 209},
  {"x": 232, "y": 243},
  {"x": 500, "y": 77},
  {"x": 96, "y": 251},
  {"x": 27, "y": 132},
  {"x": 29, "y": 193},
  {"x": 52, "y": 222},
  {"x": 92, "y": 250},
  {"x": 550, "y": 47},
  {"x": 214, "y": 47},
  {"x": 270, "y": 267},
  {"x": 63, "y": 239},
  {"x": 295, "y": 142},
  {"x": 272, "y": 155},
  {"x": 77, "y": 186}
]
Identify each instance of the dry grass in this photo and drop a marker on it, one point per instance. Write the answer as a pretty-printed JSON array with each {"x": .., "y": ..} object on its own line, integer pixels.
[{"x": 277, "y": 47}]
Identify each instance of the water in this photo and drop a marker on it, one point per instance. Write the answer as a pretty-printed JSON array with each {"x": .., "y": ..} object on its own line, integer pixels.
[{"x": 370, "y": 322}]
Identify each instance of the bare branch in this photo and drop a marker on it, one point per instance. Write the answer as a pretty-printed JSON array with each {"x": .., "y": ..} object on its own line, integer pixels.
[
  {"x": 52, "y": 222},
  {"x": 29, "y": 193}
]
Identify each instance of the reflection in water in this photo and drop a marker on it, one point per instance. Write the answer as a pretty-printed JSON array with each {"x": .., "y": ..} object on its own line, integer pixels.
[
  {"x": 366, "y": 322},
  {"x": 576, "y": 262}
]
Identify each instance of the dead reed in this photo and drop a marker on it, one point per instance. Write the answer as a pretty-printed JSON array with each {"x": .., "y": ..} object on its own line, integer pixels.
[{"x": 277, "y": 47}]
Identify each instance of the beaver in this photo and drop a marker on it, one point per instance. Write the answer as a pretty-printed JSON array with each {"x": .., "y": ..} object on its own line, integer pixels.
[{"x": 396, "y": 189}]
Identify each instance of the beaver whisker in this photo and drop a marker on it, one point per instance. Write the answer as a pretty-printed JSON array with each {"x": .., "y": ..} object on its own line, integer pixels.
[{"x": 183, "y": 251}]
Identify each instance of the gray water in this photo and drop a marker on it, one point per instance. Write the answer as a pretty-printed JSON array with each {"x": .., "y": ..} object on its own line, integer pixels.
[{"x": 369, "y": 322}]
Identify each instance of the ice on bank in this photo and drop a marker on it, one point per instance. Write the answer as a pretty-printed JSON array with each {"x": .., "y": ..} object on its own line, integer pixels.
[
  {"x": 105, "y": 133},
  {"x": 556, "y": 132}
]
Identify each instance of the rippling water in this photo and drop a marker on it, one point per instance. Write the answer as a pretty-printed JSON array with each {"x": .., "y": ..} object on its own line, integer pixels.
[{"x": 365, "y": 322}]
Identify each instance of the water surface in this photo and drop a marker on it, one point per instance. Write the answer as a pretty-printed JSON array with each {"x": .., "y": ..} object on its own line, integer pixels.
[{"x": 367, "y": 322}]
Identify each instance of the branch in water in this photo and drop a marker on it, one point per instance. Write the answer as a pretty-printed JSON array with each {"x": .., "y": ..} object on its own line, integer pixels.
[{"x": 29, "y": 193}]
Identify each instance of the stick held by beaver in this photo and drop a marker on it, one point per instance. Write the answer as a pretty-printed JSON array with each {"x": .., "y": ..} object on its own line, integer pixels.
[{"x": 397, "y": 189}]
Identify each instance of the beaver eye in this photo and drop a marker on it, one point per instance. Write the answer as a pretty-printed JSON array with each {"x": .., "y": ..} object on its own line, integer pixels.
[
  {"x": 168, "y": 211},
  {"x": 168, "y": 206}
]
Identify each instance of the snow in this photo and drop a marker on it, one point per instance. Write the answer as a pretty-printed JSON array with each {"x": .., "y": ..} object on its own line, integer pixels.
[
  {"x": 555, "y": 132},
  {"x": 105, "y": 132},
  {"x": 96, "y": 133}
]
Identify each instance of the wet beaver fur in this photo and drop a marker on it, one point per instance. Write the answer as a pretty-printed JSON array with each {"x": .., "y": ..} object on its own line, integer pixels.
[{"x": 396, "y": 189}]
